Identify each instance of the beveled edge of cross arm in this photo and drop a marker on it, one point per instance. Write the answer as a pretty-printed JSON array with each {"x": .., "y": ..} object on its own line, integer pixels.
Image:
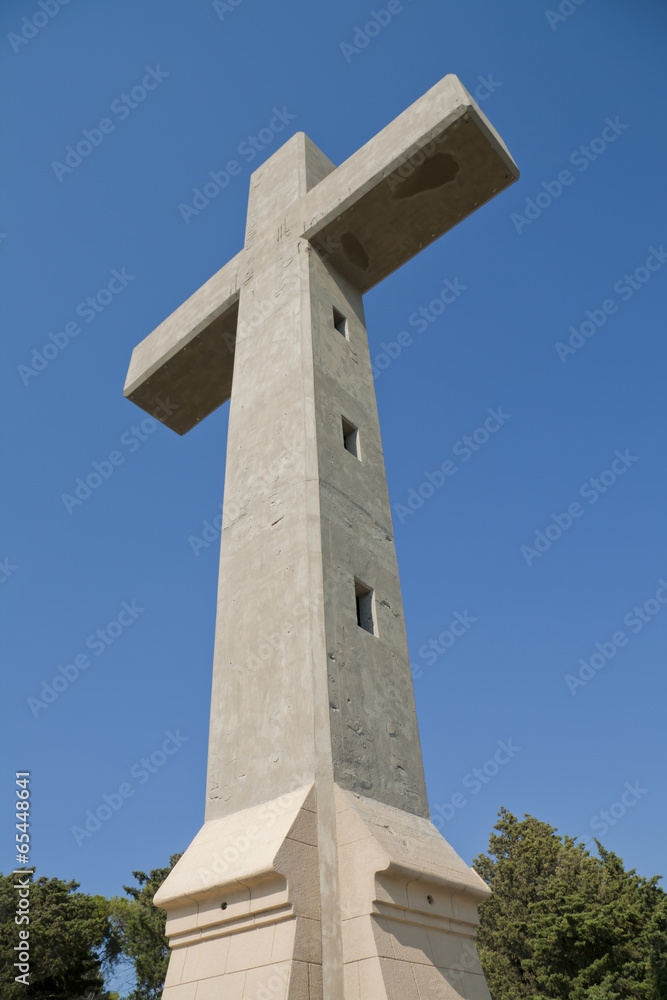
[
  {"x": 414, "y": 128},
  {"x": 215, "y": 297}
]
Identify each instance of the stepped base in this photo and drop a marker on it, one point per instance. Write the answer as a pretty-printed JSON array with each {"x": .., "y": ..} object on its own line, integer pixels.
[{"x": 244, "y": 908}]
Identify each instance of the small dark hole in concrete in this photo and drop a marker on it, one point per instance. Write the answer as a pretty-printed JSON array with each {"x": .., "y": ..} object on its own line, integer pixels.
[
  {"x": 351, "y": 438},
  {"x": 223, "y": 906},
  {"x": 340, "y": 322},
  {"x": 365, "y": 602},
  {"x": 354, "y": 251},
  {"x": 429, "y": 899},
  {"x": 433, "y": 173}
]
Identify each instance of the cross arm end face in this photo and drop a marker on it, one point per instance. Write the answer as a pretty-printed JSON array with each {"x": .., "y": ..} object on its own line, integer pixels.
[
  {"x": 426, "y": 171},
  {"x": 183, "y": 370}
]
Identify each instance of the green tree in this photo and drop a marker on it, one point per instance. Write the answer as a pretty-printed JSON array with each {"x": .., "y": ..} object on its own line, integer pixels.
[
  {"x": 565, "y": 925},
  {"x": 71, "y": 941},
  {"x": 139, "y": 926}
]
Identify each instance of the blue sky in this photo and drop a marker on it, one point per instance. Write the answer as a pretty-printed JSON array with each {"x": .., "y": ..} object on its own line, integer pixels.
[{"x": 572, "y": 255}]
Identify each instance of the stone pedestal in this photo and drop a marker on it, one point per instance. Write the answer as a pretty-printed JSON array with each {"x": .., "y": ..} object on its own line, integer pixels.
[{"x": 244, "y": 907}]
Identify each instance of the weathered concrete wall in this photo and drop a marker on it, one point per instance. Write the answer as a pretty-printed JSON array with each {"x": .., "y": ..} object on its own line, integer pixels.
[
  {"x": 302, "y": 518},
  {"x": 373, "y": 722}
]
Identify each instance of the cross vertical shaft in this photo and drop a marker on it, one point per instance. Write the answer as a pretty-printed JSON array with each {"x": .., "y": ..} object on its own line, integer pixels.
[
  {"x": 316, "y": 698},
  {"x": 305, "y": 517}
]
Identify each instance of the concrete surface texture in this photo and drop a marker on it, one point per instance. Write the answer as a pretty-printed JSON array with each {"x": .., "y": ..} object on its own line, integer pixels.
[{"x": 317, "y": 873}]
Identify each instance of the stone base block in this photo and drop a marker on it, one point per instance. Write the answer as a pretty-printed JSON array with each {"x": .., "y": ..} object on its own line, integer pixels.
[
  {"x": 408, "y": 907},
  {"x": 244, "y": 914}
]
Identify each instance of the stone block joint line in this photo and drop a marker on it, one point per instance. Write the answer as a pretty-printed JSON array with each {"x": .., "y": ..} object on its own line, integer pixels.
[{"x": 317, "y": 872}]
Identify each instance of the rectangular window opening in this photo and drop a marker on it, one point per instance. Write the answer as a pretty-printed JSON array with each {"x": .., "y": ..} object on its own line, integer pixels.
[
  {"x": 351, "y": 438},
  {"x": 365, "y": 606},
  {"x": 340, "y": 323}
]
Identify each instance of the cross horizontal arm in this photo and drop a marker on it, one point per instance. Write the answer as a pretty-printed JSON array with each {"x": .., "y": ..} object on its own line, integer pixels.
[
  {"x": 417, "y": 178},
  {"x": 429, "y": 168},
  {"x": 188, "y": 360}
]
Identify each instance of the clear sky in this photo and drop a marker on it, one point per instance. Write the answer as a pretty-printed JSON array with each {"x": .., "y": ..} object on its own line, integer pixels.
[{"x": 545, "y": 545}]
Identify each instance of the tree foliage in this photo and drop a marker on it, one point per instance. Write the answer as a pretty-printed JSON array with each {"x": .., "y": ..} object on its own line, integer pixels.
[
  {"x": 71, "y": 941},
  {"x": 561, "y": 925},
  {"x": 139, "y": 926},
  {"x": 565, "y": 925}
]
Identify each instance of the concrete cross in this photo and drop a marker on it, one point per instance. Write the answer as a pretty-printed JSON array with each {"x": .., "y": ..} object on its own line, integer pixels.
[{"x": 317, "y": 872}]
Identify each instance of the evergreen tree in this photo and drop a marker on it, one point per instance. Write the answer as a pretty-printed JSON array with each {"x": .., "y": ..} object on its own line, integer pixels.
[
  {"x": 564, "y": 925},
  {"x": 71, "y": 941},
  {"x": 140, "y": 928}
]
